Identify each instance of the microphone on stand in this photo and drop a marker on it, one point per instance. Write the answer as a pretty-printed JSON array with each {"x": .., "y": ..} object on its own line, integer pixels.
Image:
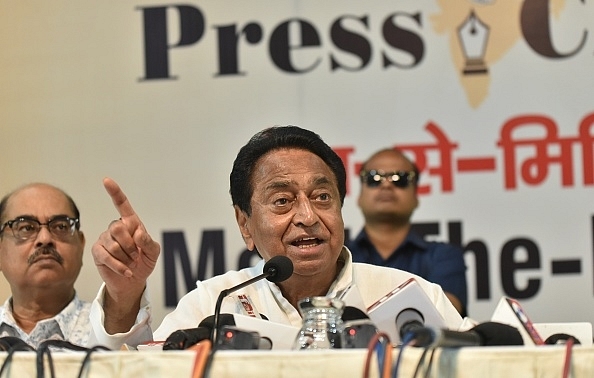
[
  {"x": 410, "y": 321},
  {"x": 358, "y": 328},
  {"x": 232, "y": 337},
  {"x": 277, "y": 269},
  {"x": 185, "y": 338},
  {"x": 484, "y": 334}
]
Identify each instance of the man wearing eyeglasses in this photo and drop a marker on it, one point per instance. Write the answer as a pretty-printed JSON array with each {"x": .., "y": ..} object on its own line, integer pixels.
[
  {"x": 41, "y": 251},
  {"x": 387, "y": 200}
]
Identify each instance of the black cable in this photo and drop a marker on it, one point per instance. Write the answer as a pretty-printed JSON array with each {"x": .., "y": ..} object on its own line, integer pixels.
[
  {"x": 420, "y": 362},
  {"x": 39, "y": 362},
  {"x": 7, "y": 361},
  {"x": 87, "y": 359},
  {"x": 430, "y": 363},
  {"x": 11, "y": 345},
  {"x": 44, "y": 349}
]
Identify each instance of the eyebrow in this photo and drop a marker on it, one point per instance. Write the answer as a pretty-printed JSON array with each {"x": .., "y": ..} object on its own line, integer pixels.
[
  {"x": 279, "y": 184},
  {"x": 322, "y": 180},
  {"x": 33, "y": 217}
]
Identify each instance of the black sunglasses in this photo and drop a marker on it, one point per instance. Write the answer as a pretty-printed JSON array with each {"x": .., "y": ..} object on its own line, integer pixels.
[{"x": 400, "y": 179}]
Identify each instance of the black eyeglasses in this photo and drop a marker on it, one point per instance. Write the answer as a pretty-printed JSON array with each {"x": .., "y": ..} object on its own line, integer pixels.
[
  {"x": 400, "y": 179},
  {"x": 26, "y": 228}
]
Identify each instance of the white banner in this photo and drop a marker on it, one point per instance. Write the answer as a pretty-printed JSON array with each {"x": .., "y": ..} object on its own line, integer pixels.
[{"x": 493, "y": 99}]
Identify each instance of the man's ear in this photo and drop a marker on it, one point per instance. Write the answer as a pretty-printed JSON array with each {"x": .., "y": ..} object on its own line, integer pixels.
[
  {"x": 243, "y": 223},
  {"x": 81, "y": 236},
  {"x": 82, "y": 240}
]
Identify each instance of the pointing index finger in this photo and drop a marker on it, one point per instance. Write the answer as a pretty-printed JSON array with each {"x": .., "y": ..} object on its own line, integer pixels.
[{"x": 119, "y": 199}]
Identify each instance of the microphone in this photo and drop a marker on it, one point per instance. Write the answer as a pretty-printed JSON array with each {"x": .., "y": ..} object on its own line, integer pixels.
[
  {"x": 277, "y": 269},
  {"x": 350, "y": 313},
  {"x": 358, "y": 328},
  {"x": 493, "y": 334},
  {"x": 235, "y": 338},
  {"x": 484, "y": 334},
  {"x": 185, "y": 338},
  {"x": 409, "y": 320}
]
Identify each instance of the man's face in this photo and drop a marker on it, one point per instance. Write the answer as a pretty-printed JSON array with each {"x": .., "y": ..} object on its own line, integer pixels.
[
  {"x": 44, "y": 260},
  {"x": 296, "y": 212},
  {"x": 387, "y": 202}
]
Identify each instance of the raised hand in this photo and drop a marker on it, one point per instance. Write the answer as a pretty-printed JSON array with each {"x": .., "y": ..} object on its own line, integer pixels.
[{"x": 125, "y": 255}]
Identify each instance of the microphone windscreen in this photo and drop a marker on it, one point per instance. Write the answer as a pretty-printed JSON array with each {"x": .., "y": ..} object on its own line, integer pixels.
[
  {"x": 493, "y": 333},
  {"x": 185, "y": 338},
  {"x": 264, "y": 343},
  {"x": 409, "y": 320},
  {"x": 358, "y": 328},
  {"x": 560, "y": 338},
  {"x": 353, "y": 313},
  {"x": 279, "y": 267}
]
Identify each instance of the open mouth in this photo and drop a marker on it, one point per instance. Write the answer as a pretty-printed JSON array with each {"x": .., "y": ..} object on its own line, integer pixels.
[{"x": 306, "y": 242}]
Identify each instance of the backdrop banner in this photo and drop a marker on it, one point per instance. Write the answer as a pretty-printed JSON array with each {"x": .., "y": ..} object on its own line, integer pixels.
[{"x": 492, "y": 99}]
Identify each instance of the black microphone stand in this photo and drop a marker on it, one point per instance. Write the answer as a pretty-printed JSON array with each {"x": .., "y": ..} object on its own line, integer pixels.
[
  {"x": 277, "y": 269},
  {"x": 215, "y": 329}
]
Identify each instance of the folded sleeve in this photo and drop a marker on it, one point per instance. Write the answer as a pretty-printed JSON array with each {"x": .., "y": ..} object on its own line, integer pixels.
[{"x": 139, "y": 333}]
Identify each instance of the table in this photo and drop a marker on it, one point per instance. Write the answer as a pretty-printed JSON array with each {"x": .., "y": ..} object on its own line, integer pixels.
[{"x": 483, "y": 362}]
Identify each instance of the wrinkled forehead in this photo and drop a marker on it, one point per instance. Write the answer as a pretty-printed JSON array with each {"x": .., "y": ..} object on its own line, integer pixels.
[{"x": 284, "y": 160}]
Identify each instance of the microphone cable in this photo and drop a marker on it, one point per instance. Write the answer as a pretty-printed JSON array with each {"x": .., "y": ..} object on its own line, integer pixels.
[
  {"x": 85, "y": 363},
  {"x": 12, "y": 344},
  {"x": 44, "y": 350},
  {"x": 567, "y": 363},
  {"x": 202, "y": 349},
  {"x": 408, "y": 339},
  {"x": 381, "y": 345},
  {"x": 420, "y": 362},
  {"x": 422, "y": 359}
]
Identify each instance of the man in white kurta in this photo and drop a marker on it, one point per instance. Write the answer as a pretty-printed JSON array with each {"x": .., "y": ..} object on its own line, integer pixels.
[{"x": 373, "y": 282}]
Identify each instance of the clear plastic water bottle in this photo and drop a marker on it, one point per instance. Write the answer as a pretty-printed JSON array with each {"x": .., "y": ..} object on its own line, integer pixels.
[{"x": 322, "y": 327}]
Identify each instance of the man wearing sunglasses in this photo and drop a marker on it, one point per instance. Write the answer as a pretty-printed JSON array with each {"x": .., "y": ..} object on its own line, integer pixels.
[
  {"x": 387, "y": 200},
  {"x": 41, "y": 251}
]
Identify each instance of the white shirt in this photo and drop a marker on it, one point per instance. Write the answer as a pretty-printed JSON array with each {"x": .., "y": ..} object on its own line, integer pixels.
[
  {"x": 372, "y": 281},
  {"x": 71, "y": 324}
]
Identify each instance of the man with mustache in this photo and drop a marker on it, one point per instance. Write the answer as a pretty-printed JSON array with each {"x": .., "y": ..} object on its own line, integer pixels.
[{"x": 41, "y": 250}]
